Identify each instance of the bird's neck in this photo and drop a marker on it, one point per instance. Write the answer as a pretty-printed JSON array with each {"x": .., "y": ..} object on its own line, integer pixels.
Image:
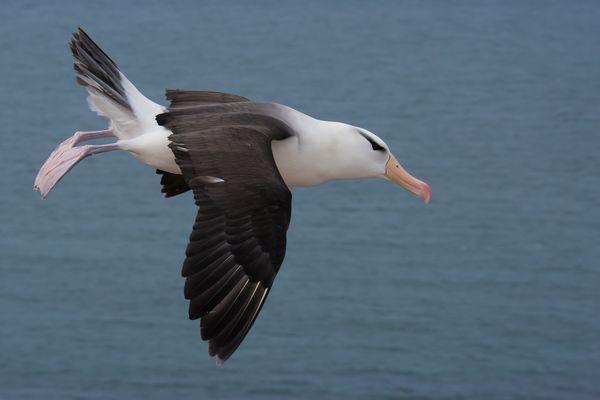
[{"x": 319, "y": 152}]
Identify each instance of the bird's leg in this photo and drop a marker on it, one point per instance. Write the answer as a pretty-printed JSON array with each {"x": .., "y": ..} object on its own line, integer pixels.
[
  {"x": 79, "y": 137},
  {"x": 66, "y": 155}
]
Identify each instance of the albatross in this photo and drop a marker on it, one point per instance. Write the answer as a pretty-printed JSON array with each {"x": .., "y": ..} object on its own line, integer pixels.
[{"x": 240, "y": 158}]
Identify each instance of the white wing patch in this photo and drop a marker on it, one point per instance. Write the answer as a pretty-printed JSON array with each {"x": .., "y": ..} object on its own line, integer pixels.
[{"x": 124, "y": 123}]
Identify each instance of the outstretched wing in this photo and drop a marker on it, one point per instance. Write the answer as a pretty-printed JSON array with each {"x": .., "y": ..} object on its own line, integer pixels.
[{"x": 238, "y": 241}]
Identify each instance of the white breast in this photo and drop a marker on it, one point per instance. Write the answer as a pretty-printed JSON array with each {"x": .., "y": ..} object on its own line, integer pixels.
[{"x": 298, "y": 157}]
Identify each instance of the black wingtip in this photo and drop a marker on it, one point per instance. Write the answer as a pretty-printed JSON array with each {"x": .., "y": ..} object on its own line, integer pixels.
[{"x": 95, "y": 69}]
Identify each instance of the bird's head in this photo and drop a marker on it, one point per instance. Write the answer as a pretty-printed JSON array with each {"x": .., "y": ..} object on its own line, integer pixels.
[{"x": 373, "y": 159}]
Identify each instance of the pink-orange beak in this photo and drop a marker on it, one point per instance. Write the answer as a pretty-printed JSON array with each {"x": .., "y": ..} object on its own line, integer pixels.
[{"x": 398, "y": 175}]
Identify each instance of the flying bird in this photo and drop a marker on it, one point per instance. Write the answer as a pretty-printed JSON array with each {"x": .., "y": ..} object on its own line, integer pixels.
[{"x": 240, "y": 158}]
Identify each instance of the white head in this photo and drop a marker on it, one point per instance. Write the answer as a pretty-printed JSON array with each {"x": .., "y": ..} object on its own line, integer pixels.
[{"x": 361, "y": 154}]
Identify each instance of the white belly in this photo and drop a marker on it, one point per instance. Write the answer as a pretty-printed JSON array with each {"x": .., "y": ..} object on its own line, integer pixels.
[{"x": 152, "y": 148}]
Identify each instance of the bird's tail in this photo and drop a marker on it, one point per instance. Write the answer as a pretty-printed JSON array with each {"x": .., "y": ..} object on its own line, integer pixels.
[{"x": 111, "y": 94}]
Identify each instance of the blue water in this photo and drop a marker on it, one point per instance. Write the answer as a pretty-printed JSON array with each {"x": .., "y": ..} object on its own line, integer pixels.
[{"x": 490, "y": 292}]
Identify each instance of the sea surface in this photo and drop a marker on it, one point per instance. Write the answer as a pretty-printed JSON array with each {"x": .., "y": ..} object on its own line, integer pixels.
[{"x": 492, "y": 291}]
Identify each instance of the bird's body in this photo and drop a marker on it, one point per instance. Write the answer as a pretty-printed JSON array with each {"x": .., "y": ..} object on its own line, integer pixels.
[
  {"x": 240, "y": 158},
  {"x": 308, "y": 158}
]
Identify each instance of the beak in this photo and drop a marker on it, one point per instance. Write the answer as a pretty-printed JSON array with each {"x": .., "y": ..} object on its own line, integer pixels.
[{"x": 395, "y": 173}]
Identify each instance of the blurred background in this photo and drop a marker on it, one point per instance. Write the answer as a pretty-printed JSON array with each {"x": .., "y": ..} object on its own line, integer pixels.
[{"x": 489, "y": 292}]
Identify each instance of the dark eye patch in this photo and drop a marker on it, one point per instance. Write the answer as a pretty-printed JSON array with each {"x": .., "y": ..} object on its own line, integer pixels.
[{"x": 375, "y": 146}]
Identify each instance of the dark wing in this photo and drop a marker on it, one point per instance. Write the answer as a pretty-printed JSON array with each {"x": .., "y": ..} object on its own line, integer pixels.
[
  {"x": 238, "y": 241},
  {"x": 187, "y": 98},
  {"x": 174, "y": 184}
]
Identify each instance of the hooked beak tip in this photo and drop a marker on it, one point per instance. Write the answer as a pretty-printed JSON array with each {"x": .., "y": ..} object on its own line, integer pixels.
[{"x": 425, "y": 194}]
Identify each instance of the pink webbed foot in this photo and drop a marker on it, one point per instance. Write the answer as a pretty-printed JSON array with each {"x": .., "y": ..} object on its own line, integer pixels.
[
  {"x": 58, "y": 164},
  {"x": 65, "y": 156}
]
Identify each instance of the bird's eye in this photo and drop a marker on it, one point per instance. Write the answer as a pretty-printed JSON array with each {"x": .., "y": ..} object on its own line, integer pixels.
[{"x": 375, "y": 145}]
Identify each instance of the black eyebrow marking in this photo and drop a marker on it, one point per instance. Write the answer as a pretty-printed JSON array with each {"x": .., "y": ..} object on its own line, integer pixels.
[{"x": 376, "y": 146}]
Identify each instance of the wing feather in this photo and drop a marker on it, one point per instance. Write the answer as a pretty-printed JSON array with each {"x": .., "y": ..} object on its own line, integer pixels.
[{"x": 238, "y": 239}]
